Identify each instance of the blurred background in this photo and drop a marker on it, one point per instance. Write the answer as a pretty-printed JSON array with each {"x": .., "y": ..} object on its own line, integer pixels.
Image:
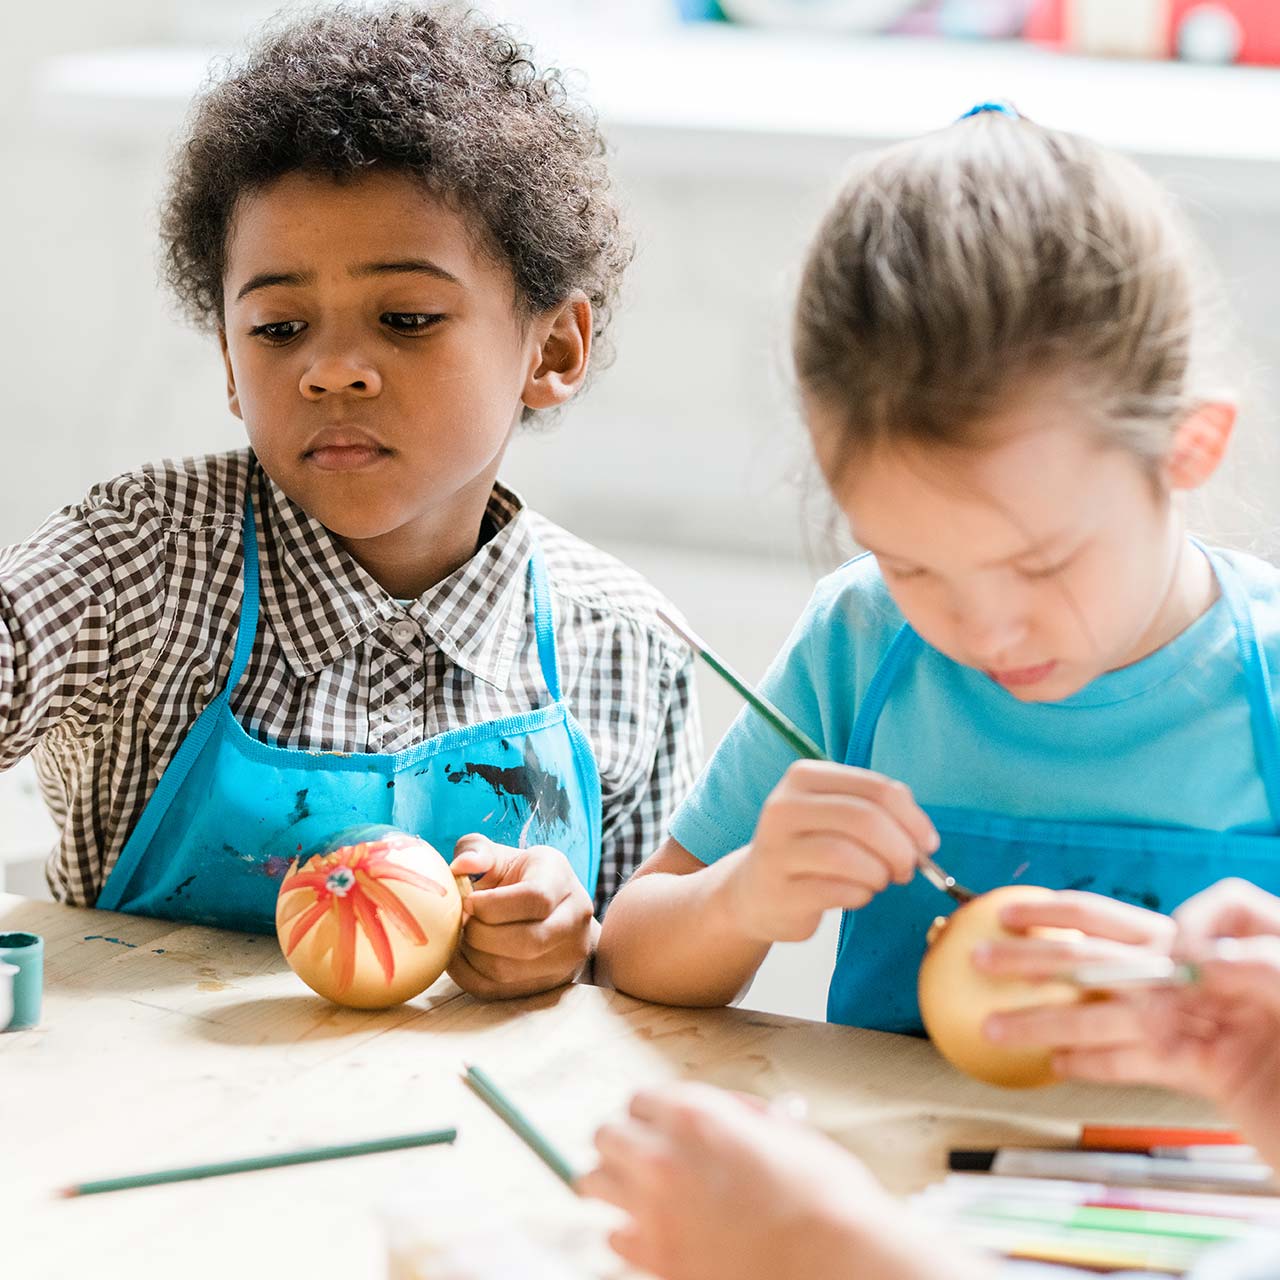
[{"x": 730, "y": 124}]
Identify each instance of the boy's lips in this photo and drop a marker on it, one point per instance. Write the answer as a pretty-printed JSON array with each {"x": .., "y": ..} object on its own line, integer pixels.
[
  {"x": 1020, "y": 677},
  {"x": 343, "y": 449}
]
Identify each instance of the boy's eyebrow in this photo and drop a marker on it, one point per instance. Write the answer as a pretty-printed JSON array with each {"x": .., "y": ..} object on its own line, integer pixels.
[
  {"x": 295, "y": 279},
  {"x": 408, "y": 266}
]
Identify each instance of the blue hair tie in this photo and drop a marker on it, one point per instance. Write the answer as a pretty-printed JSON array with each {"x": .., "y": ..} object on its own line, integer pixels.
[{"x": 1001, "y": 108}]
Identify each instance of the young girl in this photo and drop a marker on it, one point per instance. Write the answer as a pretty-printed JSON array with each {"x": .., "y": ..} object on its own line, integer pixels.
[
  {"x": 714, "y": 1187},
  {"x": 405, "y": 240},
  {"x": 1034, "y": 672}
]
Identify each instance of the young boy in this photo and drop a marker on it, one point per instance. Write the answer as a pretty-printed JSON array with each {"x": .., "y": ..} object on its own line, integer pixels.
[{"x": 404, "y": 237}]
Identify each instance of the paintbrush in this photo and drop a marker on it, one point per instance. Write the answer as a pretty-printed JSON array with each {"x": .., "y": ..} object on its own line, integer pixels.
[
  {"x": 800, "y": 742},
  {"x": 1136, "y": 974}
]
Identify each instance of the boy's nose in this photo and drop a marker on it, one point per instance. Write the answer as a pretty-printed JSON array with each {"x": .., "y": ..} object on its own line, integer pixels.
[{"x": 333, "y": 374}]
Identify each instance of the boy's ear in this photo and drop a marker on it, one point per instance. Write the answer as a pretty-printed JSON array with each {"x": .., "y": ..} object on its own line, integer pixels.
[
  {"x": 564, "y": 349},
  {"x": 233, "y": 400},
  {"x": 1199, "y": 444}
]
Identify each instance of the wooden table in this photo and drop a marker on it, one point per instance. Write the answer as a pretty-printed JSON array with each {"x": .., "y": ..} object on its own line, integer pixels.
[{"x": 164, "y": 1045}]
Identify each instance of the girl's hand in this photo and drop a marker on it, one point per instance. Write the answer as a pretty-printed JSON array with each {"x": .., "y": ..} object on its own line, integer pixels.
[
  {"x": 718, "y": 1189},
  {"x": 528, "y": 921},
  {"x": 829, "y": 835},
  {"x": 1108, "y": 931},
  {"x": 1221, "y": 1037}
]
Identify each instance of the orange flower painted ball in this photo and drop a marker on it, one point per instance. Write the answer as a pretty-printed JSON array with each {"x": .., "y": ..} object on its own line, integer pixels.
[{"x": 371, "y": 920}]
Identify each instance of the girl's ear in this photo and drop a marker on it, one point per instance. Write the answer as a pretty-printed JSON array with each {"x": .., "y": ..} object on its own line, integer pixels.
[
  {"x": 1199, "y": 444},
  {"x": 563, "y": 351},
  {"x": 233, "y": 399}
]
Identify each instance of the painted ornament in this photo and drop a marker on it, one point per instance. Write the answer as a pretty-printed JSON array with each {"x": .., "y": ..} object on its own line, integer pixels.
[
  {"x": 956, "y": 998},
  {"x": 372, "y": 919}
]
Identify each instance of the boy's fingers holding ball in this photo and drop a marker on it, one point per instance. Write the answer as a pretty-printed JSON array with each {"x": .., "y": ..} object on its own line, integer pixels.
[{"x": 480, "y": 858}]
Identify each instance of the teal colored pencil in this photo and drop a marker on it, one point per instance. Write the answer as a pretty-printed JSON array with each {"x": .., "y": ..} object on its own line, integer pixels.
[
  {"x": 520, "y": 1124},
  {"x": 253, "y": 1163}
]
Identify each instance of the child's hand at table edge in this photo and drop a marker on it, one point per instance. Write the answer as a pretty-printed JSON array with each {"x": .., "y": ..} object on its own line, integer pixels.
[
  {"x": 829, "y": 836},
  {"x": 718, "y": 1188},
  {"x": 528, "y": 922}
]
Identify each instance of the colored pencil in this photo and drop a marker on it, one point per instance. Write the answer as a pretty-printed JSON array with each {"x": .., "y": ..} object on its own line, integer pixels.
[
  {"x": 519, "y": 1124},
  {"x": 1124, "y": 1168},
  {"x": 253, "y": 1163},
  {"x": 1121, "y": 1137},
  {"x": 799, "y": 741},
  {"x": 1184, "y": 1226},
  {"x": 1251, "y": 1208},
  {"x": 1211, "y": 1152}
]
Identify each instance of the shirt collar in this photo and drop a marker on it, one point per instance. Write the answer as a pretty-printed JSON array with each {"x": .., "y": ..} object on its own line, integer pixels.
[{"x": 321, "y": 604}]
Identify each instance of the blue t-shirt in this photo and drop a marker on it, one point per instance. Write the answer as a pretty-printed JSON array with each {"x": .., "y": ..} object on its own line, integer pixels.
[{"x": 1166, "y": 741}]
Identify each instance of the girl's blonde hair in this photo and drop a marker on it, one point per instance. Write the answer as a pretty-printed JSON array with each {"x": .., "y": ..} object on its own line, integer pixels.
[{"x": 956, "y": 268}]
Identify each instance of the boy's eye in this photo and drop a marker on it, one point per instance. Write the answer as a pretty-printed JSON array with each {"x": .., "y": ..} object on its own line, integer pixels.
[
  {"x": 410, "y": 321},
  {"x": 279, "y": 331}
]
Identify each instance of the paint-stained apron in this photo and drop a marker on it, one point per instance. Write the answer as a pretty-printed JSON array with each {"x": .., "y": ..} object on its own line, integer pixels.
[
  {"x": 231, "y": 811},
  {"x": 881, "y": 945}
]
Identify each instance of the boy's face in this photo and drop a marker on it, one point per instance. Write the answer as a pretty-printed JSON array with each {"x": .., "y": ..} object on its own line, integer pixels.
[{"x": 375, "y": 354}]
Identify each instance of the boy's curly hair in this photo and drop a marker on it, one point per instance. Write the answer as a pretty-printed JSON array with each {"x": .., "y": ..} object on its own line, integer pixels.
[{"x": 435, "y": 92}]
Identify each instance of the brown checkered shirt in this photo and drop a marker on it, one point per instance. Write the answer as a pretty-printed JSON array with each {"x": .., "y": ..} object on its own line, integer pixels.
[{"x": 118, "y": 619}]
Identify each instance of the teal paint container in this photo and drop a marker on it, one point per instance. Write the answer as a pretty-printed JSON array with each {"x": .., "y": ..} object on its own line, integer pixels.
[{"x": 25, "y": 953}]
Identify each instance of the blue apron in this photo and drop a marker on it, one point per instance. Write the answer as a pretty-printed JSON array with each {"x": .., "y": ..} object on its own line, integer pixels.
[
  {"x": 231, "y": 811},
  {"x": 881, "y": 945}
]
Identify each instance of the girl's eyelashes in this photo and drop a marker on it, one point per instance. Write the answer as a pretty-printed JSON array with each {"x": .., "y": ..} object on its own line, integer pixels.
[
  {"x": 1049, "y": 570},
  {"x": 410, "y": 322},
  {"x": 901, "y": 573},
  {"x": 278, "y": 332}
]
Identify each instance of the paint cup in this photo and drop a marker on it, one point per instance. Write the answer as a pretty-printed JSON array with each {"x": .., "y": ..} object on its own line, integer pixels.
[
  {"x": 24, "y": 952},
  {"x": 7, "y": 974}
]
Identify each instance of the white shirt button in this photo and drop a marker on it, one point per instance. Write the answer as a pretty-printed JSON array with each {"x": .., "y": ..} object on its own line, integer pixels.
[
  {"x": 404, "y": 633},
  {"x": 398, "y": 712}
]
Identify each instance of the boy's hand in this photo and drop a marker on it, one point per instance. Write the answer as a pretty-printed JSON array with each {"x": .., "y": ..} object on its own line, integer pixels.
[
  {"x": 718, "y": 1189},
  {"x": 528, "y": 923},
  {"x": 1109, "y": 931},
  {"x": 829, "y": 835}
]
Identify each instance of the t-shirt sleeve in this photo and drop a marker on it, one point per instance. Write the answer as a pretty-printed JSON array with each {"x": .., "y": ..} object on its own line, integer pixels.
[{"x": 812, "y": 680}]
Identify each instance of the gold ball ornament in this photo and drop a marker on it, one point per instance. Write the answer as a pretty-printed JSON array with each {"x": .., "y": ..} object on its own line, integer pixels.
[
  {"x": 956, "y": 998},
  {"x": 371, "y": 920}
]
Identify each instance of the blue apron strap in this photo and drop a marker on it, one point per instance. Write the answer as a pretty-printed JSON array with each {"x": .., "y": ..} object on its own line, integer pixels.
[
  {"x": 544, "y": 626},
  {"x": 248, "y": 627},
  {"x": 1257, "y": 680},
  {"x": 144, "y": 830},
  {"x": 902, "y": 648}
]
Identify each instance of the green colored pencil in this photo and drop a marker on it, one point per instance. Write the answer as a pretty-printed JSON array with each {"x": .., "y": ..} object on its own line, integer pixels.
[
  {"x": 801, "y": 743},
  {"x": 252, "y": 1163},
  {"x": 519, "y": 1124}
]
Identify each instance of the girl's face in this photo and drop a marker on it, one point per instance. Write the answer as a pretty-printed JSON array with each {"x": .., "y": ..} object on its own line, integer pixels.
[{"x": 1043, "y": 560}]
